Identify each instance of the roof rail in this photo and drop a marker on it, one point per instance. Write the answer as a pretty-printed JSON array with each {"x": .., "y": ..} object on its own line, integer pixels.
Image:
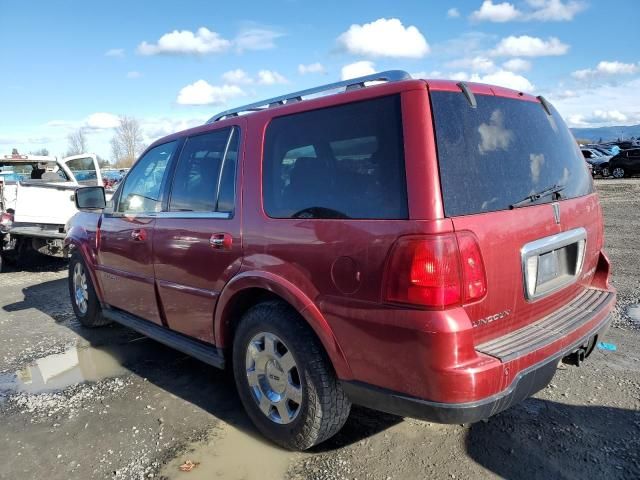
[{"x": 351, "y": 84}]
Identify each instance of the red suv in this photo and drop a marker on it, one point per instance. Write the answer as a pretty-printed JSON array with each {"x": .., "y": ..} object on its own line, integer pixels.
[{"x": 426, "y": 248}]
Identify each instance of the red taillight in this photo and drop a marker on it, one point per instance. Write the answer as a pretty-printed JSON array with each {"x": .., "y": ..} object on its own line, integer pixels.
[{"x": 435, "y": 271}]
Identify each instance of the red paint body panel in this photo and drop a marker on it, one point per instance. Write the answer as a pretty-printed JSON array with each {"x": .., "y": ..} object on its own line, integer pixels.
[
  {"x": 124, "y": 265},
  {"x": 331, "y": 271}
]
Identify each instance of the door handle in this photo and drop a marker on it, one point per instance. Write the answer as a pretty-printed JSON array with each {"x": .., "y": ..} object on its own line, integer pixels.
[
  {"x": 221, "y": 241},
  {"x": 138, "y": 235}
]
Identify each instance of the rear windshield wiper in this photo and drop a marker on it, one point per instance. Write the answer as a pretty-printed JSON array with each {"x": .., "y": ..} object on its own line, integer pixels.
[{"x": 553, "y": 190}]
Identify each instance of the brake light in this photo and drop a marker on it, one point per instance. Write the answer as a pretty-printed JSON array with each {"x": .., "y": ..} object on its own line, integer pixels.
[
  {"x": 474, "y": 279},
  {"x": 435, "y": 271}
]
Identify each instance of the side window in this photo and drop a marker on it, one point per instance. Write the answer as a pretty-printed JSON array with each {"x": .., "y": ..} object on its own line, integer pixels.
[
  {"x": 84, "y": 170},
  {"x": 227, "y": 192},
  {"x": 339, "y": 162},
  {"x": 142, "y": 189},
  {"x": 204, "y": 180}
]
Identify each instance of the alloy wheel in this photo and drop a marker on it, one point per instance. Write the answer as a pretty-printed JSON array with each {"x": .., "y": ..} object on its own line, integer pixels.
[
  {"x": 618, "y": 172},
  {"x": 80, "y": 289},
  {"x": 273, "y": 377}
]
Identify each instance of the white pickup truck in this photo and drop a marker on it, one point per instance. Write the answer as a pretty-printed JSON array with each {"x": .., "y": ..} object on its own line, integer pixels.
[{"x": 42, "y": 201}]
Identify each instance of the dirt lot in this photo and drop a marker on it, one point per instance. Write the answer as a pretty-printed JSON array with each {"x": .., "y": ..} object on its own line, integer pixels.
[{"x": 107, "y": 403}]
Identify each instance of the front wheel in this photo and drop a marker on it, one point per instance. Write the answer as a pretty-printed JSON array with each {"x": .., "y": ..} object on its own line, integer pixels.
[
  {"x": 618, "y": 172},
  {"x": 83, "y": 295},
  {"x": 285, "y": 380},
  {"x": 605, "y": 172}
]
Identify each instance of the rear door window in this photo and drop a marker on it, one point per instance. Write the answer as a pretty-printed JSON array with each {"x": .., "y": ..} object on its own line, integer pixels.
[
  {"x": 495, "y": 155},
  {"x": 338, "y": 162},
  {"x": 204, "y": 179}
]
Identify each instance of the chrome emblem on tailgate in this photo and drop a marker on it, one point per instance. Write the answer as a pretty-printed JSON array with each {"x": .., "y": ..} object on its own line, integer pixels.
[
  {"x": 556, "y": 212},
  {"x": 491, "y": 318}
]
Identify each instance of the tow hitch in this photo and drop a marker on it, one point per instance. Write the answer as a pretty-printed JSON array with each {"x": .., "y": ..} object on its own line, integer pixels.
[{"x": 581, "y": 353}]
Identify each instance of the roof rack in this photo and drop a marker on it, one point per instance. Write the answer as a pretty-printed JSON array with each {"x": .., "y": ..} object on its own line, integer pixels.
[{"x": 351, "y": 84}]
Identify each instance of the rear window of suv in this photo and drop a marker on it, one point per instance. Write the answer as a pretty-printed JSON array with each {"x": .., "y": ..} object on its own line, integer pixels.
[
  {"x": 497, "y": 154},
  {"x": 345, "y": 161}
]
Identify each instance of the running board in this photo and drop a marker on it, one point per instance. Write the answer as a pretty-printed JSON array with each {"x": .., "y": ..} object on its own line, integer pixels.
[{"x": 204, "y": 352}]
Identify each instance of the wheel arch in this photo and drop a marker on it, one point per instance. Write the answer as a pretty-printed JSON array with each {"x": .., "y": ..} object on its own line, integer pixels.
[
  {"x": 77, "y": 241},
  {"x": 251, "y": 288}
]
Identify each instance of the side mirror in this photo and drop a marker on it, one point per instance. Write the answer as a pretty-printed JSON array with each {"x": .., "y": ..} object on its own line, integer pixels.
[{"x": 90, "y": 198}]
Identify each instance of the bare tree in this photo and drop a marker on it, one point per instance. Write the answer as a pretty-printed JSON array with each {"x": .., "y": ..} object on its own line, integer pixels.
[
  {"x": 77, "y": 142},
  {"x": 127, "y": 142},
  {"x": 43, "y": 151}
]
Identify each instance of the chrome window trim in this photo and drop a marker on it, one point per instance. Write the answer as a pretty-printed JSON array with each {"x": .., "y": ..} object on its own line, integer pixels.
[
  {"x": 224, "y": 161},
  {"x": 218, "y": 215},
  {"x": 548, "y": 244}
]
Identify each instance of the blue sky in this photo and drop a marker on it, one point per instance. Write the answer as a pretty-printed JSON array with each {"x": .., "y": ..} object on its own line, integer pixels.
[{"x": 72, "y": 64}]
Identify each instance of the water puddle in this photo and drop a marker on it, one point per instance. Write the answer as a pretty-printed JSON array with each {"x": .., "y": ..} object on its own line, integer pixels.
[
  {"x": 633, "y": 311},
  {"x": 232, "y": 455},
  {"x": 76, "y": 365}
]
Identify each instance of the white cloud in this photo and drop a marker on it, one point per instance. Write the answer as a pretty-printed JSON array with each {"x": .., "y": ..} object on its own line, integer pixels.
[
  {"x": 423, "y": 74},
  {"x": 539, "y": 10},
  {"x": 554, "y": 10},
  {"x": 237, "y": 77},
  {"x": 133, "y": 74},
  {"x": 203, "y": 93},
  {"x": 605, "y": 68},
  {"x": 517, "y": 65},
  {"x": 384, "y": 38},
  {"x": 270, "y": 77},
  {"x": 357, "y": 69},
  {"x": 156, "y": 127},
  {"x": 256, "y": 39},
  {"x": 114, "y": 52},
  {"x": 311, "y": 68},
  {"x": 102, "y": 121},
  {"x": 507, "y": 79},
  {"x": 598, "y": 117},
  {"x": 475, "y": 64},
  {"x": 585, "y": 105},
  {"x": 526, "y": 46},
  {"x": 453, "y": 13},
  {"x": 496, "y": 12},
  {"x": 186, "y": 42},
  {"x": 459, "y": 76}
]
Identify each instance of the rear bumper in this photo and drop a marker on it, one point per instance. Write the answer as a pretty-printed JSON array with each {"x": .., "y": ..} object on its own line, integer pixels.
[{"x": 527, "y": 382}]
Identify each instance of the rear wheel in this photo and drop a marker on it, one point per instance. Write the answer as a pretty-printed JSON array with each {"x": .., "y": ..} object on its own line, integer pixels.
[
  {"x": 618, "y": 172},
  {"x": 285, "y": 380},
  {"x": 83, "y": 295}
]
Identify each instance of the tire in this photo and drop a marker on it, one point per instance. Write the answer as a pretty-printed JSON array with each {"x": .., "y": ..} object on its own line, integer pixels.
[
  {"x": 618, "y": 172},
  {"x": 82, "y": 294},
  {"x": 317, "y": 407},
  {"x": 605, "y": 172}
]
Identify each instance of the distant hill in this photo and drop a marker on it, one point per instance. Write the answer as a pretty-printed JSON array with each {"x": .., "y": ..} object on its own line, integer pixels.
[{"x": 607, "y": 133}]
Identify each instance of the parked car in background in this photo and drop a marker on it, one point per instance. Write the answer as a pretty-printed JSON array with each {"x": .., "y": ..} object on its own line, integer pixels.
[
  {"x": 625, "y": 164},
  {"x": 598, "y": 162},
  {"x": 336, "y": 250}
]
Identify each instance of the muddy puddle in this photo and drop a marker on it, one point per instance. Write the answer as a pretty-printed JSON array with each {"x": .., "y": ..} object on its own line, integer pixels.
[
  {"x": 76, "y": 365},
  {"x": 232, "y": 454}
]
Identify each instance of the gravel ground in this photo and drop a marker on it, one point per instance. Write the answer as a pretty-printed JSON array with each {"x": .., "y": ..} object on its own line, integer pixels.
[{"x": 110, "y": 404}]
